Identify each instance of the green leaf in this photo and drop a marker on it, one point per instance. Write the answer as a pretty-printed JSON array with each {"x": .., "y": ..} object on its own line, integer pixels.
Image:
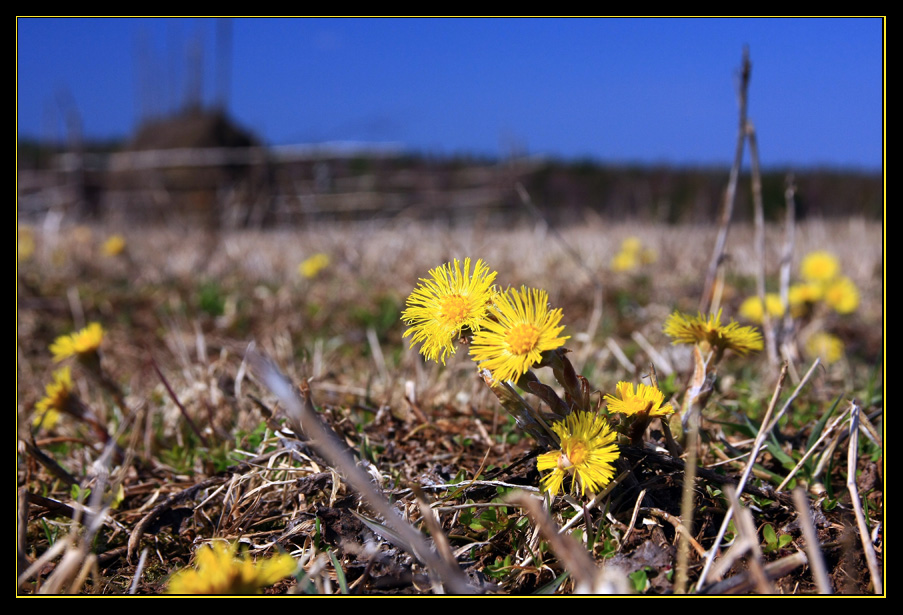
[
  {"x": 768, "y": 533},
  {"x": 78, "y": 494},
  {"x": 640, "y": 580},
  {"x": 778, "y": 453},
  {"x": 339, "y": 573}
]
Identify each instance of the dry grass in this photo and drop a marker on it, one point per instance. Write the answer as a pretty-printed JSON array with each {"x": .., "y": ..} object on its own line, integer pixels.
[{"x": 191, "y": 305}]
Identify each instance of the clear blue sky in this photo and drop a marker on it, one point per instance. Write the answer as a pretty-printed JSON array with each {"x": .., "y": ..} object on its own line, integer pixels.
[{"x": 616, "y": 90}]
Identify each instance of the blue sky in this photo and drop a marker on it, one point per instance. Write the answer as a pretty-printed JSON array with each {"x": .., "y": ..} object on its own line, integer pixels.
[{"x": 615, "y": 90}]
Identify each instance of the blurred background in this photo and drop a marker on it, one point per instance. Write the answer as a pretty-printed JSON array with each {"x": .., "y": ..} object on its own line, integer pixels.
[{"x": 241, "y": 122}]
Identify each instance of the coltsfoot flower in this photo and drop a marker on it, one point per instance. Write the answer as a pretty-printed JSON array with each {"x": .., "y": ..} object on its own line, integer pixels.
[
  {"x": 311, "y": 266},
  {"x": 752, "y": 310},
  {"x": 819, "y": 266},
  {"x": 588, "y": 451},
  {"x": 827, "y": 347},
  {"x": 802, "y": 296},
  {"x": 57, "y": 397},
  {"x": 692, "y": 330},
  {"x": 524, "y": 327},
  {"x": 632, "y": 255},
  {"x": 220, "y": 571},
  {"x": 114, "y": 245},
  {"x": 842, "y": 295},
  {"x": 83, "y": 344},
  {"x": 24, "y": 243},
  {"x": 446, "y": 304},
  {"x": 646, "y": 398},
  {"x": 625, "y": 261}
]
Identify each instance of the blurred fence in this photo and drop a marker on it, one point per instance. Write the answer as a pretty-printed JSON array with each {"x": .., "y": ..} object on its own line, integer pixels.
[
  {"x": 239, "y": 187},
  {"x": 264, "y": 186}
]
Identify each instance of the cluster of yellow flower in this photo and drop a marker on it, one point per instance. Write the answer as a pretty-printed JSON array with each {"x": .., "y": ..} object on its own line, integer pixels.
[
  {"x": 219, "y": 569},
  {"x": 821, "y": 270},
  {"x": 509, "y": 330},
  {"x": 588, "y": 447},
  {"x": 822, "y": 284},
  {"x": 59, "y": 396},
  {"x": 632, "y": 255},
  {"x": 822, "y": 281},
  {"x": 513, "y": 331}
]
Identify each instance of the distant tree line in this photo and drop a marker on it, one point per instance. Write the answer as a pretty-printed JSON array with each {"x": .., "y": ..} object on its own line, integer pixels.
[{"x": 694, "y": 195}]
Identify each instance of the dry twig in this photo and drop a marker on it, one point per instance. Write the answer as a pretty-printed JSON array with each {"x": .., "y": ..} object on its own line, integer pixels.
[
  {"x": 754, "y": 454},
  {"x": 861, "y": 521},
  {"x": 816, "y": 561},
  {"x": 304, "y": 419},
  {"x": 731, "y": 190}
]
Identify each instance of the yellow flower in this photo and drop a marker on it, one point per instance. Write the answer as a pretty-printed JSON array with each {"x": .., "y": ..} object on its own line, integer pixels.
[
  {"x": 114, "y": 245},
  {"x": 631, "y": 245},
  {"x": 313, "y": 265},
  {"x": 524, "y": 328},
  {"x": 751, "y": 308},
  {"x": 57, "y": 396},
  {"x": 82, "y": 343},
  {"x": 451, "y": 301},
  {"x": 588, "y": 449},
  {"x": 691, "y": 330},
  {"x": 829, "y": 348},
  {"x": 819, "y": 266},
  {"x": 24, "y": 243},
  {"x": 647, "y": 398},
  {"x": 632, "y": 255},
  {"x": 220, "y": 571},
  {"x": 842, "y": 295},
  {"x": 800, "y": 296},
  {"x": 624, "y": 261}
]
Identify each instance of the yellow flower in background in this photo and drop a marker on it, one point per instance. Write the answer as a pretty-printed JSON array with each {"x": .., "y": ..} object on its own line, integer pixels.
[
  {"x": 691, "y": 330},
  {"x": 220, "y": 571},
  {"x": 588, "y": 450},
  {"x": 79, "y": 344},
  {"x": 624, "y": 261},
  {"x": 751, "y": 308},
  {"x": 57, "y": 396},
  {"x": 631, "y": 245},
  {"x": 842, "y": 295},
  {"x": 524, "y": 328},
  {"x": 445, "y": 304},
  {"x": 114, "y": 245},
  {"x": 313, "y": 265},
  {"x": 646, "y": 398},
  {"x": 24, "y": 243},
  {"x": 829, "y": 348},
  {"x": 632, "y": 255},
  {"x": 801, "y": 296},
  {"x": 819, "y": 266}
]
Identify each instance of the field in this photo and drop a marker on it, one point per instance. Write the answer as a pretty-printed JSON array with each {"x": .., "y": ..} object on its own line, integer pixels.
[{"x": 172, "y": 437}]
